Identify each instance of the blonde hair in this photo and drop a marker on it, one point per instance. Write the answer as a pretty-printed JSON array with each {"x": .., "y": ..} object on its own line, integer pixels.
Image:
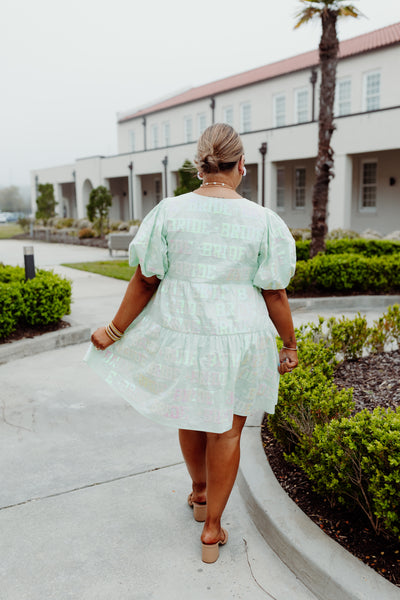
[{"x": 218, "y": 149}]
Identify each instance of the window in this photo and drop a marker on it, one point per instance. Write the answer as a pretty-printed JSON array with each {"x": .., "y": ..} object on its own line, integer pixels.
[
  {"x": 245, "y": 117},
  {"x": 343, "y": 97},
  {"x": 154, "y": 136},
  {"x": 279, "y": 110},
  {"x": 166, "y": 134},
  {"x": 368, "y": 186},
  {"x": 188, "y": 129},
  {"x": 227, "y": 115},
  {"x": 300, "y": 188},
  {"x": 280, "y": 189},
  {"x": 132, "y": 140},
  {"x": 372, "y": 90},
  {"x": 301, "y": 104},
  {"x": 201, "y": 122}
]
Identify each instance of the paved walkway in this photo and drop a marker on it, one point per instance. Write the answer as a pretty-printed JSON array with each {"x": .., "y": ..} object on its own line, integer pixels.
[{"x": 92, "y": 501}]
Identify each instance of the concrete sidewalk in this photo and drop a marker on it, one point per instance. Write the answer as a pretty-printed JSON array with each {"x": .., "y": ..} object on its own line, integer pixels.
[{"x": 93, "y": 501}]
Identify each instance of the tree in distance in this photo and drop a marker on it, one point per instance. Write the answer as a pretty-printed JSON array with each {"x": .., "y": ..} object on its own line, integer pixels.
[
  {"x": 11, "y": 200},
  {"x": 46, "y": 203},
  {"x": 328, "y": 11},
  {"x": 188, "y": 181},
  {"x": 98, "y": 208}
]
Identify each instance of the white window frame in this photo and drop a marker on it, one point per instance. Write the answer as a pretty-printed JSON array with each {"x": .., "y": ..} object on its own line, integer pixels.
[
  {"x": 365, "y": 89},
  {"x": 188, "y": 128},
  {"x": 132, "y": 140},
  {"x": 296, "y": 104},
  {"x": 245, "y": 121},
  {"x": 362, "y": 208},
  {"x": 295, "y": 206},
  {"x": 201, "y": 122},
  {"x": 280, "y": 207},
  {"x": 166, "y": 130},
  {"x": 276, "y": 115},
  {"x": 226, "y": 111},
  {"x": 154, "y": 135},
  {"x": 339, "y": 101},
  {"x": 158, "y": 190}
]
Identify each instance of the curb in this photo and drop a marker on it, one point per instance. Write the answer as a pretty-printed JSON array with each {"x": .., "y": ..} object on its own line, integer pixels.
[
  {"x": 327, "y": 569},
  {"x": 76, "y": 334},
  {"x": 343, "y": 303}
]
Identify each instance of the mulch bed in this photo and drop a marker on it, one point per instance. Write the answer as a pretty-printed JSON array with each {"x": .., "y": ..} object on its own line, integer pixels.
[
  {"x": 30, "y": 332},
  {"x": 376, "y": 382}
]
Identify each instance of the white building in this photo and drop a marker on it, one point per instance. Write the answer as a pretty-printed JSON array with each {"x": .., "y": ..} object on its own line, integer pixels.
[{"x": 275, "y": 109}]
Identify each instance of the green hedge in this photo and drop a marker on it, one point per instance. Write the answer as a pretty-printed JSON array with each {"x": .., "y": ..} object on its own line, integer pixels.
[
  {"x": 39, "y": 301},
  {"x": 369, "y": 248},
  {"x": 353, "y": 459},
  {"x": 347, "y": 273},
  {"x": 11, "y": 308}
]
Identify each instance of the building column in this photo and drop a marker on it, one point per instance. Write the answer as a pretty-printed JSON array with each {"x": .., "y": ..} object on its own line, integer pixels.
[
  {"x": 137, "y": 197},
  {"x": 340, "y": 194},
  {"x": 269, "y": 186}
]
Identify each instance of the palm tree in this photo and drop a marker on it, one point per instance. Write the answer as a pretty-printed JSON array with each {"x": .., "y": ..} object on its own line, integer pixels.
[{"x": 328, "y": 11}]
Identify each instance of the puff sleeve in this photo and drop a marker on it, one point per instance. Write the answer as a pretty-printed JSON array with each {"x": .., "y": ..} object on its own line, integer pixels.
[
  {"x": 277, "y": 255},
  {"x": 149, "y": 247}
]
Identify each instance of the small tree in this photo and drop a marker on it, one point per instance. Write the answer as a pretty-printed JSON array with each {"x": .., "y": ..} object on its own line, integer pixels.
[
  {"x": 187, "y": 179},
  {"x": 100, "y": 201},
  {"x": 11, "y": 199},
  {"x": 46, "y": 203}
]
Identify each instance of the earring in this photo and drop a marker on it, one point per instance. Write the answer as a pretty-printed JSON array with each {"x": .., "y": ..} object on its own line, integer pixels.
[
  {"x": 244, "y": 172},
  {"x": 199, "y": 176}
]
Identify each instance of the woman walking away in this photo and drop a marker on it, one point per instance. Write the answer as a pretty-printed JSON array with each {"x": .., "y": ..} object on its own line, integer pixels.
[{"x": 193, "y": 344}]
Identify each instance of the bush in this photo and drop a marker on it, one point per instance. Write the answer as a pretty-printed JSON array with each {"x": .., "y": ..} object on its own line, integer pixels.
[
  {"x": 10, "y": 274},
  {"x": 357, "y": 461},
  {"x": 46, "y": 298},
  {"x": 344, "y": 273},
  {"x": 369, "y": 248},
  {"x": 348, "y": 337},
  {"x": 10, "y": 308},
  {"x": 340, "y": 234},
  {"x": 386, "y": 330},
  {"x": 308, "y": 397},
  {"x": 64, "y": 223},
  {"x": 86, "y": 232}
]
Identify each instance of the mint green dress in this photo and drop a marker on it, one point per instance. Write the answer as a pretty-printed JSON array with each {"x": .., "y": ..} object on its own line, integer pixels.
[{"x": 204, "y": 348}]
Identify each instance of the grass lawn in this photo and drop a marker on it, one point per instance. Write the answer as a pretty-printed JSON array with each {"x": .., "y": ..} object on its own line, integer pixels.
[
  {"x": 110, "y": 268},
  {"x": 7, "y": 230}
]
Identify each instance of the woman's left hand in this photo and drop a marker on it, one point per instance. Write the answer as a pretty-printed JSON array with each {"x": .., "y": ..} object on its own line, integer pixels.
[
  {"x": 287, "y": 361},
  {"x": 100, "y": 339}
]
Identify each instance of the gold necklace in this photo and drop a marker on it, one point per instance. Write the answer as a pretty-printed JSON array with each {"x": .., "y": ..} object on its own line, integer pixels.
[{"x": 217, "y": 184}]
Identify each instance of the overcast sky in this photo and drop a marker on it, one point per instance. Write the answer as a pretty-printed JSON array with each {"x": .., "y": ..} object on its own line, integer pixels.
[{"x": 67, "y": 68}]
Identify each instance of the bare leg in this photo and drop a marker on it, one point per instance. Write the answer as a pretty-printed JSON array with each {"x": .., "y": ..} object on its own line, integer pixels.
[
  {"x": 222, "y": 463},
  {"x": 193, "y": 446}
]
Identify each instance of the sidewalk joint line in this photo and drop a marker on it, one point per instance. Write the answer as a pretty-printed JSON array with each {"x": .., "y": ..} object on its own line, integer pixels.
[
  {"x": 252, "y": 574},
  {"x": 89, "y": 485}
]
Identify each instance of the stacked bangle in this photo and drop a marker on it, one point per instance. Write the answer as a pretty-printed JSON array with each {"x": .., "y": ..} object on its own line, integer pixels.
[
  {"x": 113, "y": 332},
  {"x": 287, "y": 348}
]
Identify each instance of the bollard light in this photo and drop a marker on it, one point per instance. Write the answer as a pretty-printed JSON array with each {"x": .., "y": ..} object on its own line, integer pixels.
[{"x": 29, "y": 261}]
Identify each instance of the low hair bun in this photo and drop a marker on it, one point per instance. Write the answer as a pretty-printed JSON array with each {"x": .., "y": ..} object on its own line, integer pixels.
[{"x": 219, "y": 149}]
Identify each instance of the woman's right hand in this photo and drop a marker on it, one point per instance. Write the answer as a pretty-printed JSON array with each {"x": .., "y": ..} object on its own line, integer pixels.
[{"x": 100, "y": 339}]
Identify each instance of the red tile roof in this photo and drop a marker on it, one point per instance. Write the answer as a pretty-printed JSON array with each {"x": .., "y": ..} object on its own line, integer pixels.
[{"x": 379, "y": 38}]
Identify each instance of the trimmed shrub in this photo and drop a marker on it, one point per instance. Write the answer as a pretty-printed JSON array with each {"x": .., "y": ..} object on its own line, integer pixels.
[
  {"x": 11, "y": 307},
  {"x": 86, "y": 232},
  {"x": 344, "y": 273},
  {"x": 46, "y": 298},
  {"x": 369, "y": 248},
  {"x": 356, "y": 461},
  {"x": 10, "y": 274},
  {"x": 308, "y": 396},
  {"x": 348, "y": 337}
]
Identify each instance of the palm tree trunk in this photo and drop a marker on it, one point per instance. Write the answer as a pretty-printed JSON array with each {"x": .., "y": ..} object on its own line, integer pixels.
[{"x": 328, "y": 51}]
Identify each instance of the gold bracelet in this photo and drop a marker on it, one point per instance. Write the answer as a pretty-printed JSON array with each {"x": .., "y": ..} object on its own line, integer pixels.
[
  {"x": 113, "y": 332},
  {"x": 286, "y": 348}
]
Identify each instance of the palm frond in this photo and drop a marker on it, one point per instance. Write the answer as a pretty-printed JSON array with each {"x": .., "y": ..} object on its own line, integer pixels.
[
  {"x": 305, "y": 15},
  {"x": 349, "y": 11}
]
